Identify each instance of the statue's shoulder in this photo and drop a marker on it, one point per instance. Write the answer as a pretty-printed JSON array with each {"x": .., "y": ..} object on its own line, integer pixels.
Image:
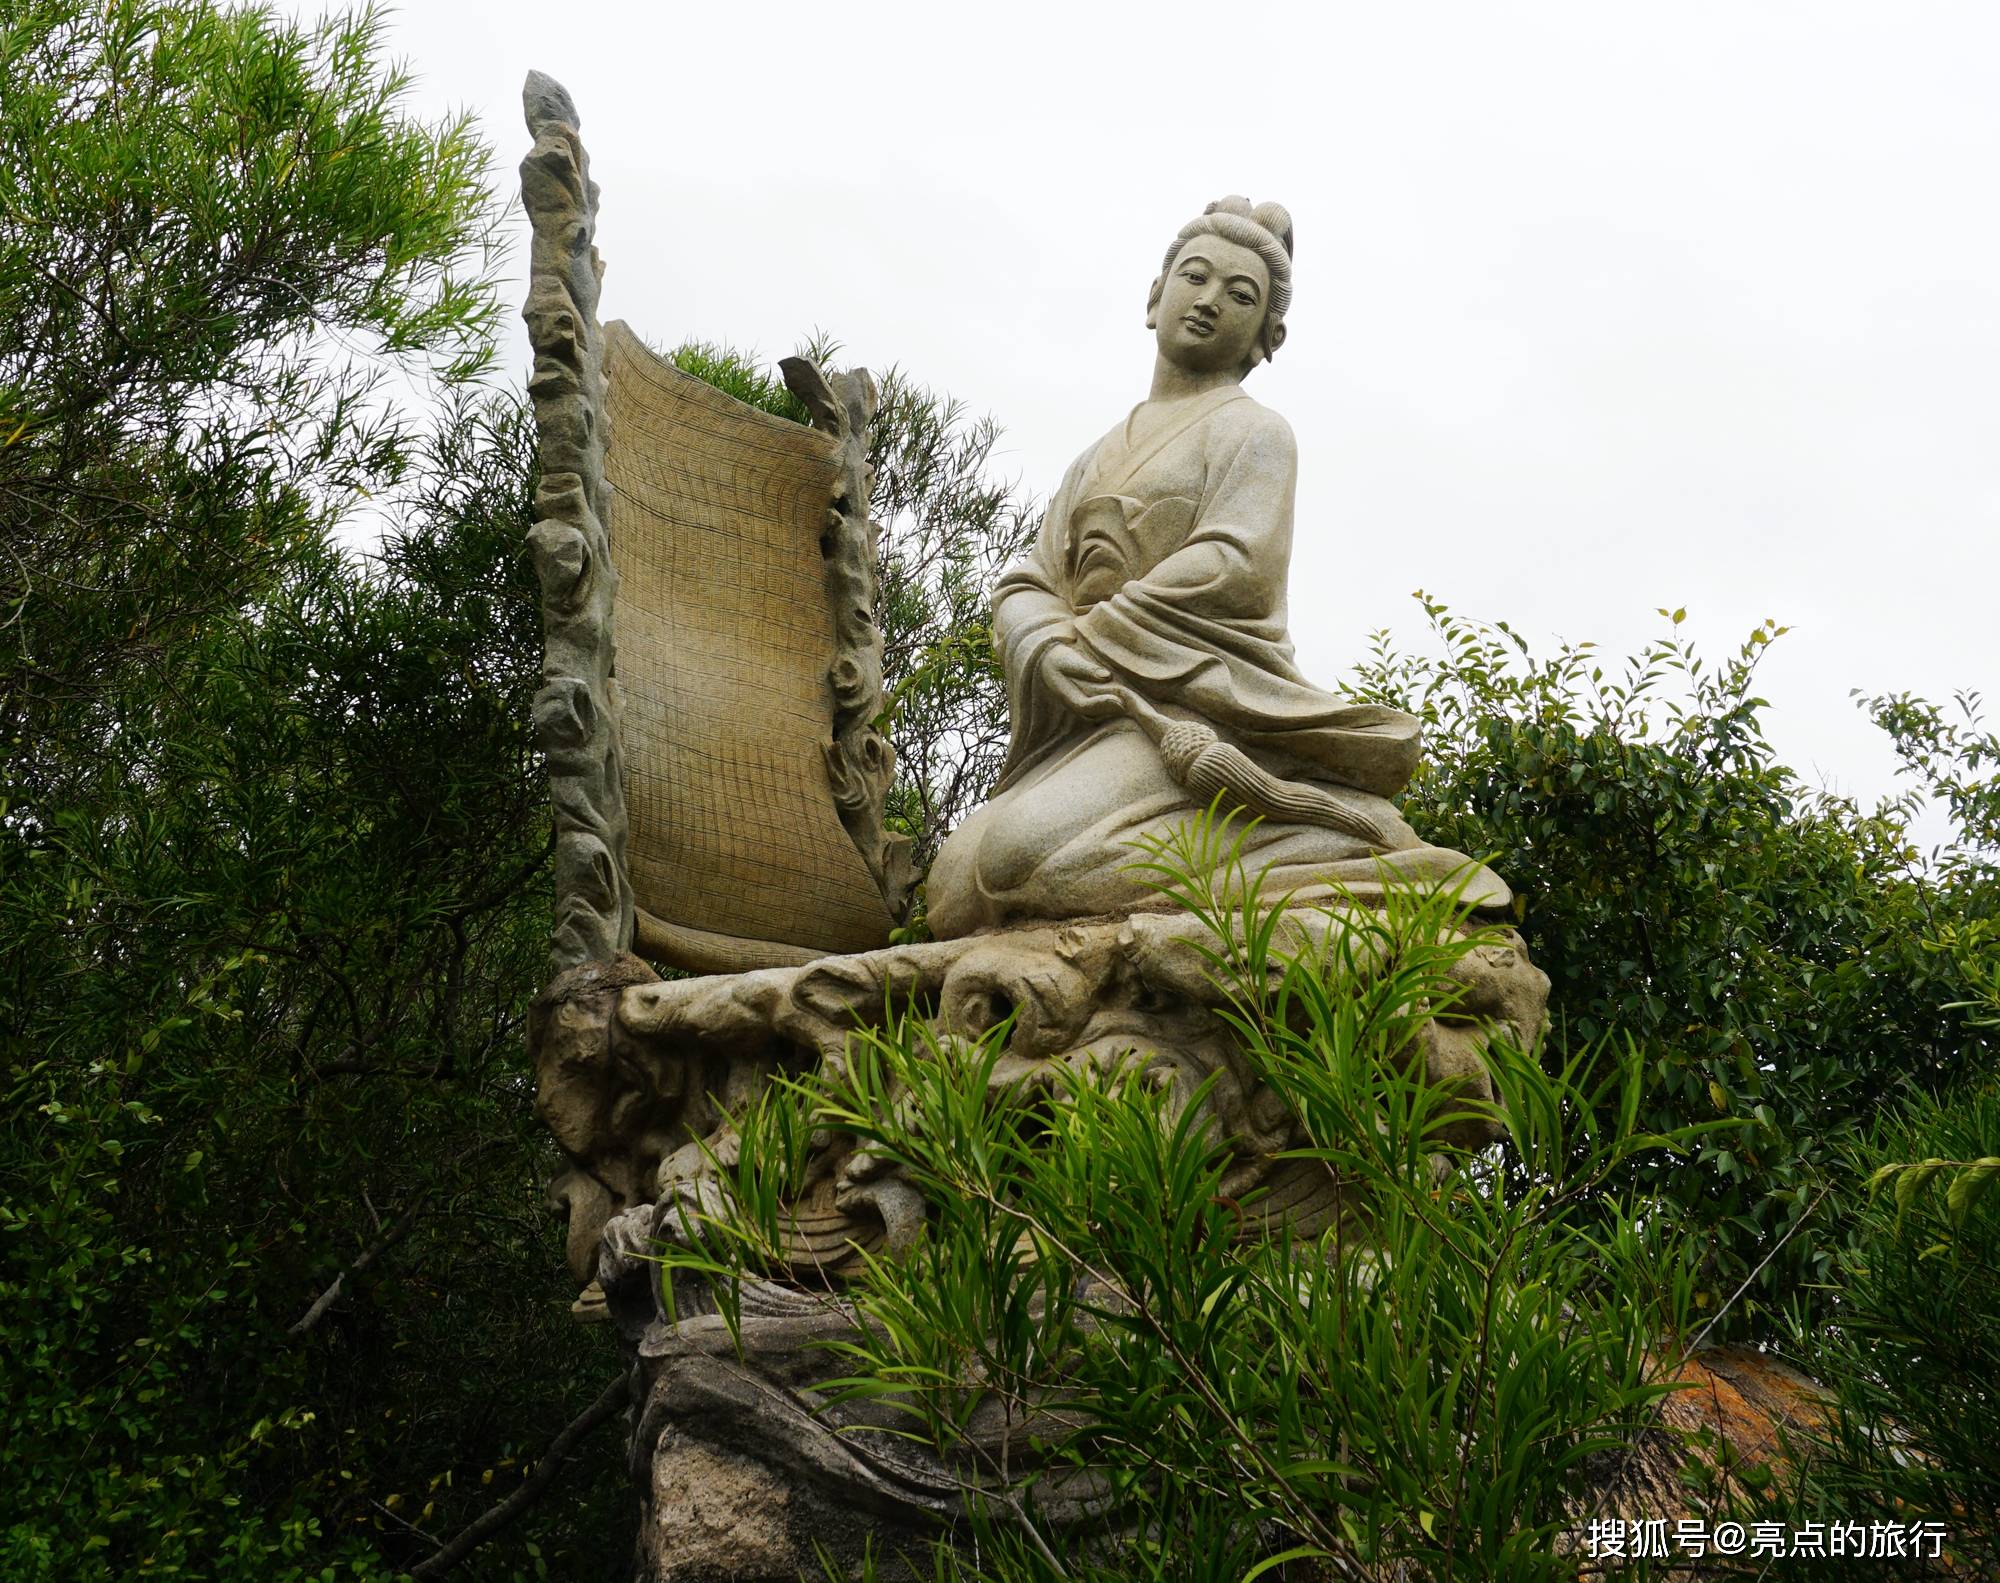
[{"x": 1246, "y": 420}]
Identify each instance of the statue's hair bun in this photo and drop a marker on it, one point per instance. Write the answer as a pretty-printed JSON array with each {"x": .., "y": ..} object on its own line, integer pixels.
[
  {"x": 1277, "y": 219},
  {"x": 1273, "y": 217}
]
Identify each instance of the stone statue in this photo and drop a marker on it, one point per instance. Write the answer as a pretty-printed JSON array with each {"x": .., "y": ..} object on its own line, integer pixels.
[
  {"x": 1150, "y": 675},
  {"x": 1148, "y": 664}
]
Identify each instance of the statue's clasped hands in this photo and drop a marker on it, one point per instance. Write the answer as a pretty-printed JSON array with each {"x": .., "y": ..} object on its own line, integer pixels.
[{"x": 1078, "y": 682}]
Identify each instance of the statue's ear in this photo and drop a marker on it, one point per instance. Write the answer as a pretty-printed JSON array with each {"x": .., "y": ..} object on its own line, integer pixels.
[
  {"x": 1274, "y": 337},
  {"x": 1153, "y": 302}
]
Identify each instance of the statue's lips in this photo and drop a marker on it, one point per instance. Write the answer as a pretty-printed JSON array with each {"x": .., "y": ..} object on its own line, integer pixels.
[{"x": 1198, "y": 326}]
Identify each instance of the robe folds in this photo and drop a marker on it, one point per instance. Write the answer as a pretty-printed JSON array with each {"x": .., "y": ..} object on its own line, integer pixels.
[{"x": 1163, "y": 558}]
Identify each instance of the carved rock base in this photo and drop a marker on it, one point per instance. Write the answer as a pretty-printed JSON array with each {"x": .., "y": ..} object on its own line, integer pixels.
[
  {"x": 741, "y": 1477},
  {"x": 741, "y": 1470}
]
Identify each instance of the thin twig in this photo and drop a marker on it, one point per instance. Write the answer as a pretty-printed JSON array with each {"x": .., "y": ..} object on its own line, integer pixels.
[
  {"x": 1701, "y": 1335},
  {"x": 395, "y": 1234},
  {"x": 609, "y": 1401},
  {"x": 398, "y": 1229}
]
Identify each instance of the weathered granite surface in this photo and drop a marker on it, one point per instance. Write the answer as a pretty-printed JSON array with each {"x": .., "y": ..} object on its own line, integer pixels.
[{"x": 636, "y": 1076}]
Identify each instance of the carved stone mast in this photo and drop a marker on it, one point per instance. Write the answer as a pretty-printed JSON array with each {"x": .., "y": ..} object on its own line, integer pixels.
[
  {"x": 577, "y": 709},
  {"x": 860, "y": 764}
]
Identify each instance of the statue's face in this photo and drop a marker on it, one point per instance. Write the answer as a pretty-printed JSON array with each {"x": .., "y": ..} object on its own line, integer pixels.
[{"x": 1212, "y": 306}]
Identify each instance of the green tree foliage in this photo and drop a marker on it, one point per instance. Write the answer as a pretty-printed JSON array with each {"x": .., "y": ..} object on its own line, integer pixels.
[
  {"x": 949, "y": 527},
  {"x": 204, "y": 213},
  {"x": 271, "y": 863},
  {"x": 1912, "y": 1349},
  {"x": 1953, "y": 762},
  {"x": 1908, "y": 1334},
  {"x": 737, "y": 374},
  {"x": 271, "y": 1185},
  {"x": 1774, "y": 952}
]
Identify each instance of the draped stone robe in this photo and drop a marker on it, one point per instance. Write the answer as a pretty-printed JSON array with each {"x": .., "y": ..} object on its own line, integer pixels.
[{"x": 1163, "y": 558}]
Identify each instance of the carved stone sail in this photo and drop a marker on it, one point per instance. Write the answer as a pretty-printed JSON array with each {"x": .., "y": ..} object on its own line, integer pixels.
[
  {"x": 725, "y": 638},
  {"x": 717, "y": 765}
]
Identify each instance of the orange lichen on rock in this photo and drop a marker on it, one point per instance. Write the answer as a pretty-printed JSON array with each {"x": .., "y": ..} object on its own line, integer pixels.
[
  {"x": 1744, "y": 1399},
  {"x": 1712, "y": 1446}
]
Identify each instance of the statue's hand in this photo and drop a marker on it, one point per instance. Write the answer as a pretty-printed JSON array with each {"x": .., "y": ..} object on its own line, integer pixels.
[{"x": 1078, "y": 682}]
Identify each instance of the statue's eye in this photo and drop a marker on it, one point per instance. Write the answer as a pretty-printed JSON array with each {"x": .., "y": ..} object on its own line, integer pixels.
[{"x": 1242, "y": 297}]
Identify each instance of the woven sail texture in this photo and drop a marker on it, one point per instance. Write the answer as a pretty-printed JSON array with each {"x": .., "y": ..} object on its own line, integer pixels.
[{"x": 724, "y": 637}]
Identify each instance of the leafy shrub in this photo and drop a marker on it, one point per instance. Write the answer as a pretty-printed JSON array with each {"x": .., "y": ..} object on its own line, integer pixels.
[
  {"x": 1431, "y": 1392},
  {"x": 1910, "y": 1346},
  {"x": 1773, "y": 952}
]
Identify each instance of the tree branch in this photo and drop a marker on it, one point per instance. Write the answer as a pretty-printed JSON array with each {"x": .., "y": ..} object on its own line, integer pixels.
[
  {"x": 398, "y": 1228},
  {"x": 326, "y": 1299},
  {"x": 491, "y": 1521}
]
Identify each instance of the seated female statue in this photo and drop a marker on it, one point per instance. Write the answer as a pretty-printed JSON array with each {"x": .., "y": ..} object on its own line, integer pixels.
[{"x": 1145, "y": 645}]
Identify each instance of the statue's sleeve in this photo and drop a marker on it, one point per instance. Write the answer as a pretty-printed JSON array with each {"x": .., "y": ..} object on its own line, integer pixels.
[
  {"x": 1031, "y": 607},
  {"x": 1221, "y": 595},
  {"x": 1031, "y": 610}
]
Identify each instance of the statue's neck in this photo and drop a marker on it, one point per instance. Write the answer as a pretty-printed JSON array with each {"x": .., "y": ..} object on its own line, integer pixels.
[{"x": 1171, "y": 382}]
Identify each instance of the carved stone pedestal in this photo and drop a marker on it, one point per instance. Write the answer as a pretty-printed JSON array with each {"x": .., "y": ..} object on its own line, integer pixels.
[{"x": 740, "y": 1468}]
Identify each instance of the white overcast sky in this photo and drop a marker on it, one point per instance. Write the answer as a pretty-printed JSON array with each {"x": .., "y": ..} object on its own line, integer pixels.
[{"x": 1599, "y": 307}]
